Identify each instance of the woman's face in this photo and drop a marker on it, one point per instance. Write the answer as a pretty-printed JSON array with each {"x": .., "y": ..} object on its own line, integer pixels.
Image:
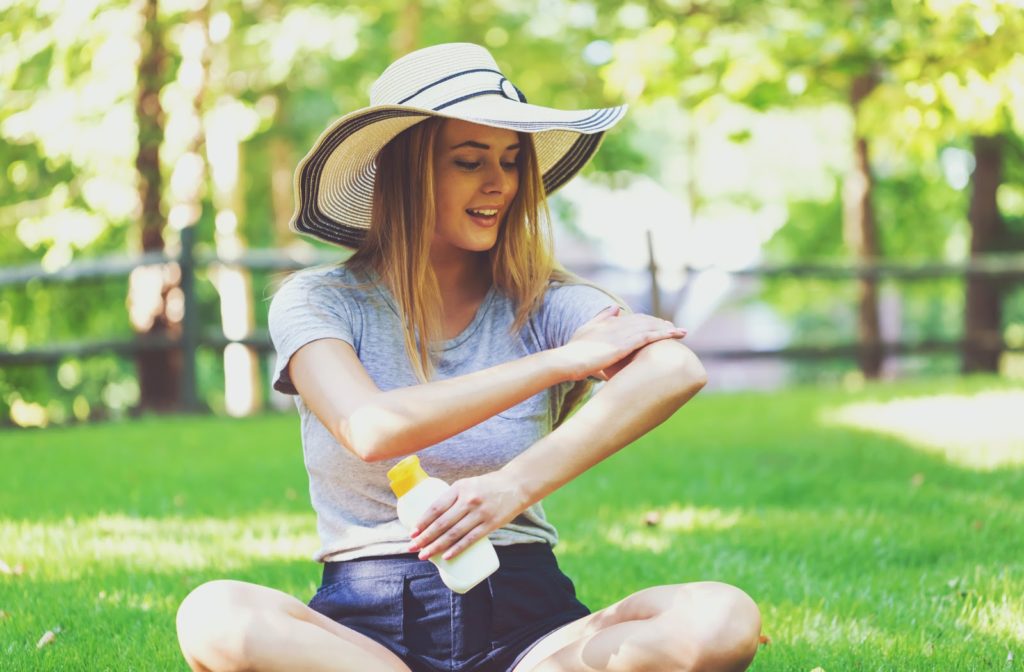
[{"x": 476, "y": 176}]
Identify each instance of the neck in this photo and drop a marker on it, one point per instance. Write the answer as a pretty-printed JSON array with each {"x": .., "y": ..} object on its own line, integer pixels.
[{"x": 462, "y": 277}]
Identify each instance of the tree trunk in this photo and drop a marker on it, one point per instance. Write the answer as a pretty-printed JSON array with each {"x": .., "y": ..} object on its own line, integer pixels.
[
  {"x": 860, "y": 233},
  {"x": 282, "y": 166},
  {"x": 153, "y": 292},
  {"x": 983, "y": 315},
  {"x": 407, "y": 33}
]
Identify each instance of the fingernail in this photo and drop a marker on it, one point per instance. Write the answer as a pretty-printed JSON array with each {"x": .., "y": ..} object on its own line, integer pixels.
[
  {"x": 423, "y": 555},
  {"x": 414, "y": 531}
]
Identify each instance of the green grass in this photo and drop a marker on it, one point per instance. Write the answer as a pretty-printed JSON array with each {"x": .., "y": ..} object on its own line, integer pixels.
[{"x": 865, "y": 552}]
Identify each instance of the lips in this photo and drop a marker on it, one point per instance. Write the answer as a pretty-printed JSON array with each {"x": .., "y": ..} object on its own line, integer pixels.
[{"x": 484, "y": 216}]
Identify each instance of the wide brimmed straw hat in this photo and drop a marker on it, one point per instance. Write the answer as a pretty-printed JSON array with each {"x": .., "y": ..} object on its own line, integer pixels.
[{"x": 334, "y": 182}]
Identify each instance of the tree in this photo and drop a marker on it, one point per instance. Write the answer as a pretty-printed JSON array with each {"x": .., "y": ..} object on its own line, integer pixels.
[
  {"x": 154, "y": 290},
  {"x": 961, "y": 85}
]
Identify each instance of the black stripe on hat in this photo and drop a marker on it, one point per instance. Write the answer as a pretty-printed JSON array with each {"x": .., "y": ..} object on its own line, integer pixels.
[
  {"x": 313, "y": 220},
  {"x": 572, "y": 161},
  {"x": 597, "y": 120},
  {"x": 468, "y": 96},
  {"x": 445, "y": 79}
]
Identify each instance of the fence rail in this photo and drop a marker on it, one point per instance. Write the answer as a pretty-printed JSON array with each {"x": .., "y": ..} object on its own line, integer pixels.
[{"x": 1005, "y": 267}]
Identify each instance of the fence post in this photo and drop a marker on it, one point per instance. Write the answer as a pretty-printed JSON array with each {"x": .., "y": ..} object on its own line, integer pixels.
[
  {"x": 190, "y": 323},
  {"x": 652, "y": 268}
]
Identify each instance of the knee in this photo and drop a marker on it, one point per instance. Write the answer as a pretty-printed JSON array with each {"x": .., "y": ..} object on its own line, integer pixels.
[
  {"x": 729, "y": 638},
  {"x": 709, "y": 627},
  {"x": 212, "y": 623}
]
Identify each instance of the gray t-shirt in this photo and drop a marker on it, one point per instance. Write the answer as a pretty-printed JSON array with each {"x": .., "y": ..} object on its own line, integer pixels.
[{"x": 355, "y": 507}]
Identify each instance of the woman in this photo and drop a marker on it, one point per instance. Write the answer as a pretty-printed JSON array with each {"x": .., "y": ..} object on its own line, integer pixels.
[{"x": 439, "y": 185}]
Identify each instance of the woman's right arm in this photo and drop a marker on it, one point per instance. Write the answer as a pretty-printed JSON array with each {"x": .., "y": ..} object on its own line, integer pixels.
[{"x": 377, "y": 425}]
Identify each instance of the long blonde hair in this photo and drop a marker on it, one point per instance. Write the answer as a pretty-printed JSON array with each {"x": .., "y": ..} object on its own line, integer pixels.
[{"x": 397, "y": 246}]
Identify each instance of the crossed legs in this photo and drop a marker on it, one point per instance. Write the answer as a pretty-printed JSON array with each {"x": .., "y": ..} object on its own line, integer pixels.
[
  {"x": 695, "y": 627},
  {"x": 231, "y": 626},
  {"x": 692, "y": 627}
]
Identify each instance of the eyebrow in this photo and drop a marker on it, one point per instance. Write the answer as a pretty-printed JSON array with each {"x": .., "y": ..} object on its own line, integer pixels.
[{"x": 480, "y": 145}]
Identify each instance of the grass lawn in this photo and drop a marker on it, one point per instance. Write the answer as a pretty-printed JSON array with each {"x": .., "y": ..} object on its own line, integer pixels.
[{"x": 867, "y": 547}]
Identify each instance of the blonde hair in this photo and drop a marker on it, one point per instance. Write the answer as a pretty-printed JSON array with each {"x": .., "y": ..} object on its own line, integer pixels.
[{"x": 397, "y": 246}]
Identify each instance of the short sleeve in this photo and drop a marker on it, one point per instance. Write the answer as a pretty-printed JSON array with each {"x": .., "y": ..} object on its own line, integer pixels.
[
  {"x": 567, "y": 308},
  {"x": 307, "y": 308}
]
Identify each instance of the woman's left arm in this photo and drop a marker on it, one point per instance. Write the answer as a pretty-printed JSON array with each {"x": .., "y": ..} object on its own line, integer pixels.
[{"x": 659, "y": 379}]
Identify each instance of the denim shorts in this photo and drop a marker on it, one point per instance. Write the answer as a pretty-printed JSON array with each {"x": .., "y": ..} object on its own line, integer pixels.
[{"x": 400, "y": 602}]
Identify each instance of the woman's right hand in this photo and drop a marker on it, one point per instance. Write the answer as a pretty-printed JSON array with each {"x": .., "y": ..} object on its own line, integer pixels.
[{"x": 610, "y": 337}]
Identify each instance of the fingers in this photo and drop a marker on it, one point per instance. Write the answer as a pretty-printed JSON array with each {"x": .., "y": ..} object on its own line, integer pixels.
[
  {"x": 430, "y": 517},
  {"x": 467, "y": 540},
  {"x": 467, "y": 512},
  {"x": 459, "y": 515},
  {"x": 648, "y": 324},
  {"x": 645, "y": 337},
  {"x": 456, "y": 539}
]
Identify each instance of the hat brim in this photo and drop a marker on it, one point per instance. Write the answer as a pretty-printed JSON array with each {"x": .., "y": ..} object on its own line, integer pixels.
[{"x": 334, "y": 182}]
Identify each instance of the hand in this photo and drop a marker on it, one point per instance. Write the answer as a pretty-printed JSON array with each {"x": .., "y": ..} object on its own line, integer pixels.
[
  {"x": 601, "y": 346},
  {"x": 471, "y": 509}
]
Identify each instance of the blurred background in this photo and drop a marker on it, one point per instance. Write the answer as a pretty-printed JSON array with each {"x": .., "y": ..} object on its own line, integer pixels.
[{"x": 822, "y": 193}]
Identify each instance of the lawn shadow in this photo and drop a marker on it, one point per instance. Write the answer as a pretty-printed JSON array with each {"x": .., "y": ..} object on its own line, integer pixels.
[
  {"x": 154, "y": 467},
  {"x": 111, "y": 616},
  {"x": 862, "y": 550}
]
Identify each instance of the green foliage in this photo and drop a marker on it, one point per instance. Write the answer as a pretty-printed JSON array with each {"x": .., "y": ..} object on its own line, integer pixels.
[
  {"x": 810, "y": 233},
  {"x": 285, "y": 70}
]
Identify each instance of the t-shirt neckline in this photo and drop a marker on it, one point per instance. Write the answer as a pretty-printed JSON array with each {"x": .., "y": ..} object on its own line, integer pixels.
[
  {"x": 466, "y": 333},
  {"x": 463, "y": 335}
]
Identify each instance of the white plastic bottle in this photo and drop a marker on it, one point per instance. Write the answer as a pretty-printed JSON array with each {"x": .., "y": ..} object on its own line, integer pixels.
[{"x": 416, "y": 491}]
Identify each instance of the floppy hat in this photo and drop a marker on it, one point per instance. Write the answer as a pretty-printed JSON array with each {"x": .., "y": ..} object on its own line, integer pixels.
[{"x": 334, "y": 182}]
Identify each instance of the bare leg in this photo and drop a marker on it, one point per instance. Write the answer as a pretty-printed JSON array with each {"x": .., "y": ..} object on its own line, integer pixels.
[
  {"x": 703, "y": 626},
  {"x": 231, "y": 625}
]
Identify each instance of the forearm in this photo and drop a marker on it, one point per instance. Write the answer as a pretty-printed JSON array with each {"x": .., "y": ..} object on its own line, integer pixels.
[
  {"x": 407, "y": 419},
  {"x": 655, "y": 384}
]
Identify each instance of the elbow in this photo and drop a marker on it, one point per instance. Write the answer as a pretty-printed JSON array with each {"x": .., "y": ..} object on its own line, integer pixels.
[
  {"x": 680, "y": 369},
  {"x": 693, "y": 376},
  {"x": 372, "y": 455},
  {"x": 365, "y": 450},
  {"x": 692, "y": 373},
  {"x": 369, "y": 452},
  {"x": 362, "y": 437},
  {"x": 686, "y": 376}
]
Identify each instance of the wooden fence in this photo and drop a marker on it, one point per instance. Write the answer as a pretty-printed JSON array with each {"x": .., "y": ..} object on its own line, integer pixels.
[{"x": 194, "y": 335}]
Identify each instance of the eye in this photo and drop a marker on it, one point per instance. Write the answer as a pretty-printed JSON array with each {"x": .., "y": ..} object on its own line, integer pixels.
[
  {"x": 468, "y": 165},
  {"x": 510, "y": 165}
]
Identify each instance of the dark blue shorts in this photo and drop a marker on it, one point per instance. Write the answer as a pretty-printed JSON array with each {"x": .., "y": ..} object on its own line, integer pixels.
[{"x": 400, "y": 602}]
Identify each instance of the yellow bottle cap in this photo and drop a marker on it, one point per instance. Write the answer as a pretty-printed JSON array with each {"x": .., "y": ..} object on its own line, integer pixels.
[{"x": 405, "y": 475}]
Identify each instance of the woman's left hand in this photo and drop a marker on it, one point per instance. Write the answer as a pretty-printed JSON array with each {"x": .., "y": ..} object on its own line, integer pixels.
[{"x": 471, "y": 509}]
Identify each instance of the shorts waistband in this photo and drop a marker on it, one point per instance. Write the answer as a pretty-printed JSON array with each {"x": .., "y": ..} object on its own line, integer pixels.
[{"x": 408, "y": 564}]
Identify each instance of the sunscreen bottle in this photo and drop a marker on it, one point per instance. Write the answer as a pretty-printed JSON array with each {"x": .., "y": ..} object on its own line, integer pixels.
[{"x": 416, "y": 491}]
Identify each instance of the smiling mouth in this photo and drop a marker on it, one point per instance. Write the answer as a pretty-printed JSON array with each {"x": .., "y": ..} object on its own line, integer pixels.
[{"x": 484, "y": 216}]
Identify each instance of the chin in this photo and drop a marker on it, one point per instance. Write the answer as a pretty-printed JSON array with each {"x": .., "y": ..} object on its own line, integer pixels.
[{"x": 479, "y": 244}]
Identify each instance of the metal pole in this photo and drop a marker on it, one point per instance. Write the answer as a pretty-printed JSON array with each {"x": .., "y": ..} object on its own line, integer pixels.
[
  {"x": 190, "y": 324},
  {"x": 653, "y": 268}
]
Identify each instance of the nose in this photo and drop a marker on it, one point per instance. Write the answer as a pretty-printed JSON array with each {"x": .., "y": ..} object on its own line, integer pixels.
[{"x": 498, "y": 181}]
